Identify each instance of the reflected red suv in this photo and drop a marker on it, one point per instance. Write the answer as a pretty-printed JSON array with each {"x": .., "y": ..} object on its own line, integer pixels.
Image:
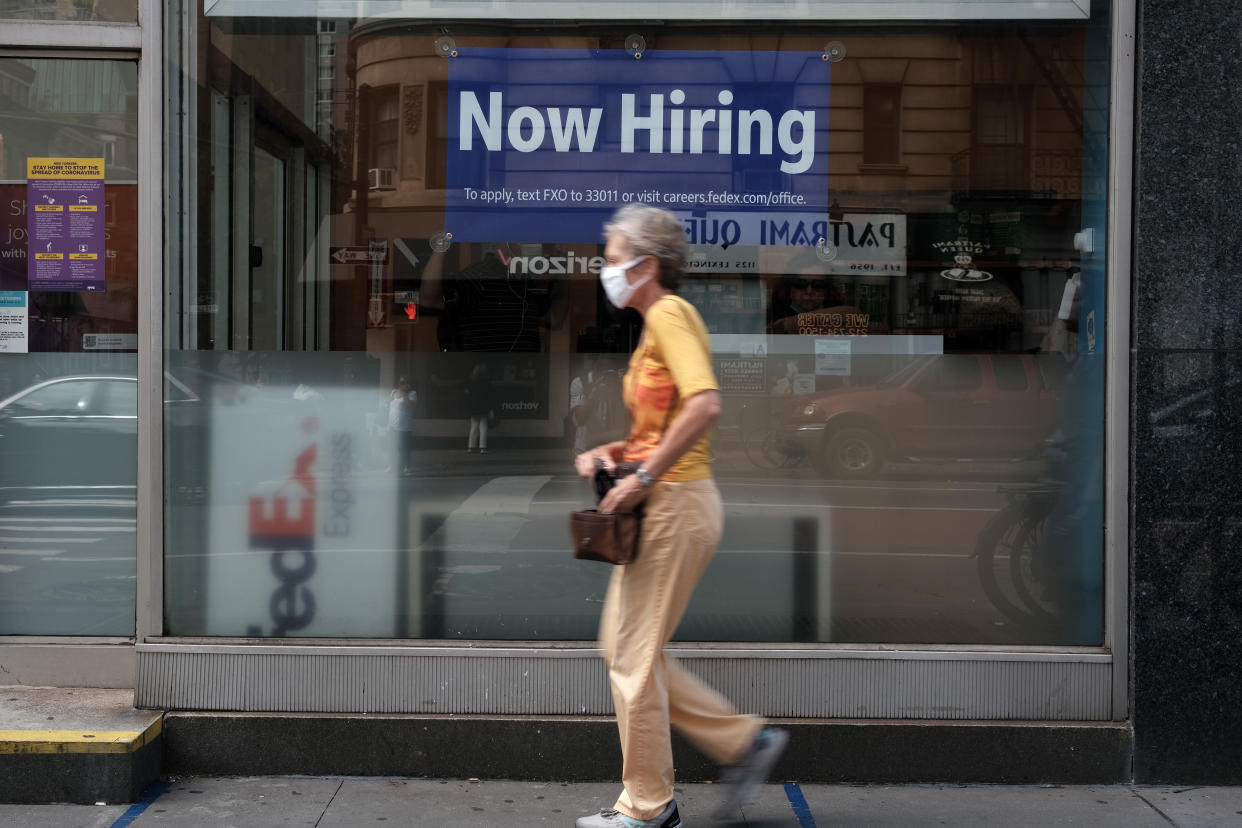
[{"x": 940, "y": 407}]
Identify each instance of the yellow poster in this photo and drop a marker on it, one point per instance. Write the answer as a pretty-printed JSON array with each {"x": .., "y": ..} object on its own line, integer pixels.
[{"x": 72, "y": 169}]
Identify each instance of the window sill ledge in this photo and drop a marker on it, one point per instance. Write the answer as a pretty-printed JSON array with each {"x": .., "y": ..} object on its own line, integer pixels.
[{"x": 882, "y": 169}]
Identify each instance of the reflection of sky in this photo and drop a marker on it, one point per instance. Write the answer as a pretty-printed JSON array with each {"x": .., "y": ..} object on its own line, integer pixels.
[{"x": 65, "y": 108}]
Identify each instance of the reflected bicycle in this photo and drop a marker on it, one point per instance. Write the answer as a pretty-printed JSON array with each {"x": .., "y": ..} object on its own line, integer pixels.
[
  {"x": 763, "y": 445},
  {"x": 1012, "y": 559}
]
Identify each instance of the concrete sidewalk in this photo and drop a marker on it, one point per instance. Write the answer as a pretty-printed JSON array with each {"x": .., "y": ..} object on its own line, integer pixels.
[{"x": 337, "y": 802}]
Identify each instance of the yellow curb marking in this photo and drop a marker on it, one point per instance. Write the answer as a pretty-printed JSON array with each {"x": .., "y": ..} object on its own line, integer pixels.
[{"x": 78, "y": 741}]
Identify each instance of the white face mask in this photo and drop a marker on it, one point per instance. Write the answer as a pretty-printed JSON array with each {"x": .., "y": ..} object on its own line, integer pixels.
[{"x": 616, "y": 287}]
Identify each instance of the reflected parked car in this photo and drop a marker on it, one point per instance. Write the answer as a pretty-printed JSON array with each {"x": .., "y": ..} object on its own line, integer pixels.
[
  {"x": 935, "y": 408},
  {"x": 70, "y": 432},
  {"x": 77, "y": 436}
]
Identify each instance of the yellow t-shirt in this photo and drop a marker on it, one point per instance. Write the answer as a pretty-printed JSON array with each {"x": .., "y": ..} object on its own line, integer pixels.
[{"x": 673, "y": 361}]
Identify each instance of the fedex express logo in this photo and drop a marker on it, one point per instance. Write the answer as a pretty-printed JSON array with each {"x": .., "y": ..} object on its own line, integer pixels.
[{"x": 285, "y": 524}]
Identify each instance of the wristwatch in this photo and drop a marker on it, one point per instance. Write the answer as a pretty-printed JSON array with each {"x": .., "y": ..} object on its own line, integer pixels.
[{"x": 645, "y": 477}]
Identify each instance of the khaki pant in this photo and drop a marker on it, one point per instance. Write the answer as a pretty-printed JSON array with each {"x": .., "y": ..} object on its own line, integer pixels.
[{"x": 650, "y": 690}]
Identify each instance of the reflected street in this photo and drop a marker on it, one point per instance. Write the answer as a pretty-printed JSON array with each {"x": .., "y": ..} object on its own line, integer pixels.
[
  {"x": 67, "y": 561},
  {"x": 483, "y": 553}
]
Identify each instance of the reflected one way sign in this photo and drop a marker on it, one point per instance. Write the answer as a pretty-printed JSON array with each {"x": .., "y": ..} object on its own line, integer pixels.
[{"x": 359, "y": 255}]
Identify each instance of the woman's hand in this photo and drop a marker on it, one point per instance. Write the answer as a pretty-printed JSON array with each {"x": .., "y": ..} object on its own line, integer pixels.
[
  {"x": 586, "y": 463},
  {"x": 625, "y": 496}
]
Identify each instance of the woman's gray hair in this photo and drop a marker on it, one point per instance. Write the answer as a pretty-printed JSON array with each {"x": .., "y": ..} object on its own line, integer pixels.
[{"x": 652, "y": 231}]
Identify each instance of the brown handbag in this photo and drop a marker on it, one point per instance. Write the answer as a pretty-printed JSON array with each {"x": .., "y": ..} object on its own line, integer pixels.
[{"x": 611, "y": 539}]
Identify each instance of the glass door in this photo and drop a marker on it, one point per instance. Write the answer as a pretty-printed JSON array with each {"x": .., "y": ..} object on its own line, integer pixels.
[
  {"x": 68, "y": 345},
  {"x": 267, "y": 253}
]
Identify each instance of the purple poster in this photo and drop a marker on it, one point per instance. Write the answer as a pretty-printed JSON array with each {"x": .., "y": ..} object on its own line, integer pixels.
[{"x": 65, "y": 224}]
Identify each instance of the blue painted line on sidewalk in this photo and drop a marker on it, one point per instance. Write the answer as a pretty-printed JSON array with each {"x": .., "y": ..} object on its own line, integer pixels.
[
  {"x": 801, "y": 810},
  {"x": 150, "y": 795}
]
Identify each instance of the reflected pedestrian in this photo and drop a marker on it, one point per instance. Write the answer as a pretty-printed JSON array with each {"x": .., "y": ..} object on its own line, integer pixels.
[
  {"x": 401, "y": 403},
  {"x": 575, "y": 423},
  {"x": 479, "y": 408}
]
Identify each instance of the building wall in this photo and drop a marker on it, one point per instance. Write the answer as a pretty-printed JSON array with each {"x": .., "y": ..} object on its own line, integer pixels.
[{"x": 1186, "y": 578}]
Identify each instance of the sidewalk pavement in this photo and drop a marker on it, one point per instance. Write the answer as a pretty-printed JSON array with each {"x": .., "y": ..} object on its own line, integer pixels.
[{"x": 349, "y": 802}]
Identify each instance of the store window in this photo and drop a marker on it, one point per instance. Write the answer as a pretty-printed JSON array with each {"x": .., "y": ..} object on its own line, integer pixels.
[
  {"x": 882, "y": 123},
  {"x": 68, "y": 340},
  {"x": 393, "y": 213},
  {"x": 1000, "y": 152},
  {"x": 384, "y": 135}
]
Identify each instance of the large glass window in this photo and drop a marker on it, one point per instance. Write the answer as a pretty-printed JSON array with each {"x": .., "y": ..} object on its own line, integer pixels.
[
  {"x": 68, "y": 340},
  {"x": 380, "y": 216}
]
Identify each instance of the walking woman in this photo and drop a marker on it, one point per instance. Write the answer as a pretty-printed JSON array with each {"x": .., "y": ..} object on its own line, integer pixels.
[{"x": 673, "y": 400}]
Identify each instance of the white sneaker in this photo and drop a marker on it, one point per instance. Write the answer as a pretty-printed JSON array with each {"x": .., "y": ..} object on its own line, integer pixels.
[
  {"x": 608, "y": 818},
  {"x": 751, "y": 770}
]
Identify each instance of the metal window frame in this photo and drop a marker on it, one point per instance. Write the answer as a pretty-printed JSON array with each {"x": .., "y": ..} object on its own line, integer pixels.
[
  {"x": 1117, "y": 527},
  {"x": 688, "y": 10},
  {"x": 152, "y": 266},
  {"x": 65, "y": 35}
]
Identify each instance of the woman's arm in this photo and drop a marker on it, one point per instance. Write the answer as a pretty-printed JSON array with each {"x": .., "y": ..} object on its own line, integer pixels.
[
  {"x": 698, "y": 415},
  {"x": 608, "y": 454}
]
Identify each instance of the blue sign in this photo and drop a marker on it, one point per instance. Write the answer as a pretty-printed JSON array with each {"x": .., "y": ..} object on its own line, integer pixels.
[{"x": 544, "y": 144}]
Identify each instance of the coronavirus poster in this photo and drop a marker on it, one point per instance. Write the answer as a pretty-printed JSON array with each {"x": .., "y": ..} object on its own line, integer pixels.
[{"x": 65, "y": 224}]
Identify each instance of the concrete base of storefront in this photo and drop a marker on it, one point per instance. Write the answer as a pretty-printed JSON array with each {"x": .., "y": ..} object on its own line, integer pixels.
[
  {"x": 83, "y": 746},
  {"x": 580, "y": 749},
  {"x": 79, "y": 778},
  {"x": 91, "y": 746}
]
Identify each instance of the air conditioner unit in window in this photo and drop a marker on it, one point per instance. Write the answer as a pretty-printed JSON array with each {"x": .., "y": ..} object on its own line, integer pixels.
[{"x": 381, "y": 178}]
